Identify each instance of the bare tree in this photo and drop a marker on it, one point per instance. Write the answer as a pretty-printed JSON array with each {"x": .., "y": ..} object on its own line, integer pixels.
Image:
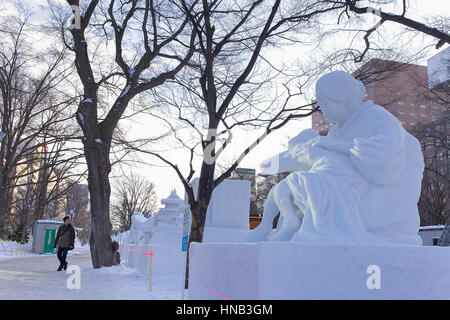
[
  {"x": 36, "y": 123},
  {"x": 134, "y": 193},
  {"x": 433, "y": 202},
  {"x": 439, "y": 32},
  {"x": 151, "y": 43},
  {"x": 435, "y": 140},
  {"x": 77, "y": 206}
]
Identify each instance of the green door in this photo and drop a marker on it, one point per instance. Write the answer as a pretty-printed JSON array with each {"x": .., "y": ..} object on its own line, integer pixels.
[{"x": 49, "y": 240}]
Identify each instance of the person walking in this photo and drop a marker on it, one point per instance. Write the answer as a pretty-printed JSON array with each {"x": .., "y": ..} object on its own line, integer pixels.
[{"x": 64, "y": 241}]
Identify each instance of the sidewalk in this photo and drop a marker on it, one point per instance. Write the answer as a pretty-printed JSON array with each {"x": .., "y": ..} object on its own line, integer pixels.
[{"x": 35, "y": 277}]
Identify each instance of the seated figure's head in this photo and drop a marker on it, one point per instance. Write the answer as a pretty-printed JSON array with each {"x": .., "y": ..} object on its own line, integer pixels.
[{"x": 338, "y": 95}]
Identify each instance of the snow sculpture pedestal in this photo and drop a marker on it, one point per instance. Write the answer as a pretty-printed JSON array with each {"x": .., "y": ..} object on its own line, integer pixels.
[
  {"x": 295, "y": 271},
  {"x": 227, "y": 218}
]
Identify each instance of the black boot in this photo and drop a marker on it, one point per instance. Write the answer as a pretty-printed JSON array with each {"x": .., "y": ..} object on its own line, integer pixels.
[
  {"x": 65, "y": 266},
  {"x": 60, "y": 268}
]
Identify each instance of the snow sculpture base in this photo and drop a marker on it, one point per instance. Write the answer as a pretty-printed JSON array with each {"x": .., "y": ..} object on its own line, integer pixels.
[{"x": 286, "y": 270}]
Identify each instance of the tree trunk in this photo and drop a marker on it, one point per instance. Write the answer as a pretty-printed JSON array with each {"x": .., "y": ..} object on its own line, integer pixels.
[
  {"x": 6, "y": 198},
  {"x": 199, "y": 210},
  {"x": 195, "y": 234},
  {"x": 97, "y": 158}
]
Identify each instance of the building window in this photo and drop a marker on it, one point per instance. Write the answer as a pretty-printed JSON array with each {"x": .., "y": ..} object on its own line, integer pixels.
[
  {"x": 401, "y": 103},
  {"x": 423, "y": 106},
  {"x": 412, "y": 114},
  {"x": 423, "y": 115},
  {"x": 399, "y": 93},
  {"x": 438, "y": 127},
  {"x": 433, "y": 118},
  {"x": 440, "y": 156},
  {"x": 401, "y": 112},
  {"x": 411, "y": 104},
  {"x": 437, "y": 142},
  {"x": 434, "y": 108},
  {"x": 412, "y": 123}
]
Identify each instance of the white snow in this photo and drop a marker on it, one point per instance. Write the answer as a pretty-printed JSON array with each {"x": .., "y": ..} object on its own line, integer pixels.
[
  {"x": 49, "y": 221},
  {"x": 98, "y": 140},
  {"x": 80, "y": 116},
  {"x": 432, "y": 227},
  {"x": 125, "y": 91}
]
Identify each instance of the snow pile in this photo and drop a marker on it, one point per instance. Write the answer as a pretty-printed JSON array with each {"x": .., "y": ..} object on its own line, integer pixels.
[
  {"x": 14, "y": 249},
  {"x": 79, "y": 248}
]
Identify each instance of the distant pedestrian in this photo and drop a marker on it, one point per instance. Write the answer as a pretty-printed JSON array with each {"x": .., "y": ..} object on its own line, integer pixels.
[{"x": 64, "y": 241}]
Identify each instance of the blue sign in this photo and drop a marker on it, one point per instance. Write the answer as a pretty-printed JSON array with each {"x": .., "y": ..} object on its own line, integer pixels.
[{"x": 184, "y": 243}]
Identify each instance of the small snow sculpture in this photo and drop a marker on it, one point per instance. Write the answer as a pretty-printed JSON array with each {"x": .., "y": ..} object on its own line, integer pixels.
[
  {"x": 358, "y": 184},
  {"x": 136, "y": 234},
  {"x": 166, "y": 223}
]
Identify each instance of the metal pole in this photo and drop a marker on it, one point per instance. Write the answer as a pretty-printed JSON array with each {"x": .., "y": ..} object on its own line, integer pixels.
[{"x": 151, "y": 269}]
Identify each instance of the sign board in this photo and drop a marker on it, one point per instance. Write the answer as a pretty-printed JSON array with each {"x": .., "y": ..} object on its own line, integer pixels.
[
  {"x": 49, "y": 240},
  {"x": 184, "y": 246},
  {"x": 246, "y": 171}
]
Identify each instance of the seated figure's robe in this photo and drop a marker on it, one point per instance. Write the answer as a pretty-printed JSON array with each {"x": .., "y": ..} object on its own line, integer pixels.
[{"x": 365, "y": 196}]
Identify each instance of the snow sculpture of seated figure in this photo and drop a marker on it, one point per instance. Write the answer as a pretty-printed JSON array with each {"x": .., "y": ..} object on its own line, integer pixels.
[{"x": 358, "y": 184}]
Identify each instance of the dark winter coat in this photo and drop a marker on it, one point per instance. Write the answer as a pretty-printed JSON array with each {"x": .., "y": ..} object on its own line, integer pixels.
[{"x": 65, "y": 236}]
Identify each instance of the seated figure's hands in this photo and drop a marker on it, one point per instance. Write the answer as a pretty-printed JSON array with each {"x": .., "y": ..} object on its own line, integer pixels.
[
  {"x": 325, "y": 142},
  {"x": 302, "y": 138},
  {"x": 333, "y": 144}
]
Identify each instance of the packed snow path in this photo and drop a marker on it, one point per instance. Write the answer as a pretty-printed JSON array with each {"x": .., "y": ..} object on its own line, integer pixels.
[{"x": 35, "y": 277}]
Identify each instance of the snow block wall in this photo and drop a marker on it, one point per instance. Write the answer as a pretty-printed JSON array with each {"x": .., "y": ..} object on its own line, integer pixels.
[
  {"x": 287, "y": 270},
  {"x": 229, "y": 205}
]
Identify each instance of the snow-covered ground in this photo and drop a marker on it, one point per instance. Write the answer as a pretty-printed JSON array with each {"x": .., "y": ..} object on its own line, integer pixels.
[{"x": 34, "y": 276}]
